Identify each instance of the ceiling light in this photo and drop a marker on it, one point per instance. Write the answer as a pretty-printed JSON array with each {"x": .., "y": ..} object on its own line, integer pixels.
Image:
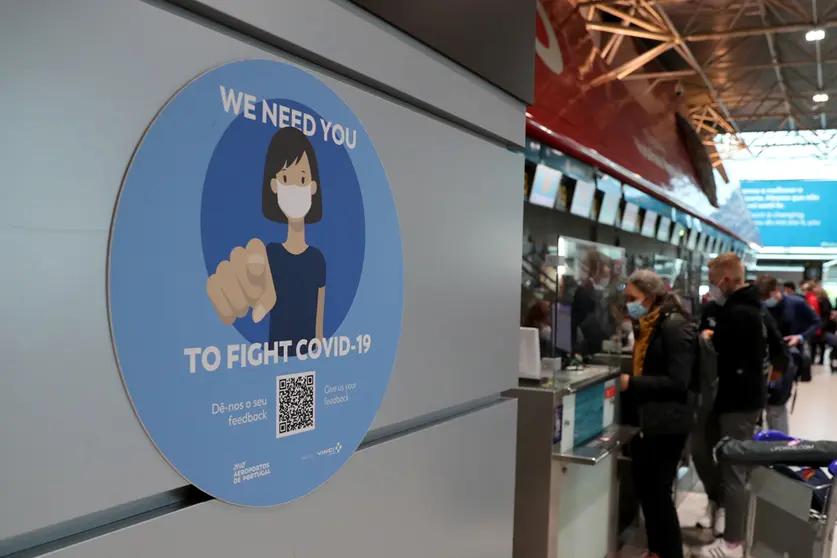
[
  {"x": 815, "y": 35},
  {"x": 821, "y": 98}
]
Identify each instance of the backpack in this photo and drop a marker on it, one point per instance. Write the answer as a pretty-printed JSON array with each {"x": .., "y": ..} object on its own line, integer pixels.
[
  {"x": 704, "y": 384},
  {"x": 777, "y": 355}
]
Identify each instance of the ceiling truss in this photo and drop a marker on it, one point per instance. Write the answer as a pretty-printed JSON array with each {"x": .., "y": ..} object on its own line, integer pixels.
[{"x": 744, "y": 65}]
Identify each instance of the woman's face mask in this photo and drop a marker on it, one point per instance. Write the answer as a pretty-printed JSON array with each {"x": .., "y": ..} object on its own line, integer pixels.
[
  {"x": 293, "y": 200},
  {"x": 635, "y": 309}
]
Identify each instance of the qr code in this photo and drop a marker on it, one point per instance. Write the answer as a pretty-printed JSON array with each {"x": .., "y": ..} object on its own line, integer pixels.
[{"x": 295, "y": 404}]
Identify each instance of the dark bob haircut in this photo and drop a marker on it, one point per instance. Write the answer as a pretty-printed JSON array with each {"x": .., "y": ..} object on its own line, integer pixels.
[{"x": 286, "y": 148}]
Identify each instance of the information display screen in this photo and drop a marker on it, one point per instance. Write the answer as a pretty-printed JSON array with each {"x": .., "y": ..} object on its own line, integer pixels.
[
  {"x": 664, "y": 230},
  {"x": 609, "y": 209},
  {"x": 545, "y": 186},
  {"x": 677, "y": 234},
  {"x": 693, "y": 237},
  {"x": 582, "y": 203},
  {"x": 630, "y": 218},
  {"x": 649, "y": 224},
  {"x": 793, "y": 212}
]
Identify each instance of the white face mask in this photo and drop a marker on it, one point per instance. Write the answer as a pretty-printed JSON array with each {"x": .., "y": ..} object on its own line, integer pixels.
[
  {"x": 546, "y": 333},
  {"x": 294, "y": 201}
]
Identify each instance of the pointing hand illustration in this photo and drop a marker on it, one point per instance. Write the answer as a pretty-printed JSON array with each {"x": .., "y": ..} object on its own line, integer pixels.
[{"x": 243, "y": 282}]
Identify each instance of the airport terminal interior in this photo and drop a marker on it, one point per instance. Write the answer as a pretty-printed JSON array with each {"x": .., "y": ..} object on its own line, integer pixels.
[{"x": 442, "y": 278}]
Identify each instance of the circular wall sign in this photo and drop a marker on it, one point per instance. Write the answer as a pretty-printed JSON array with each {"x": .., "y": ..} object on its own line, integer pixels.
[{"x": 255, "y": 282}]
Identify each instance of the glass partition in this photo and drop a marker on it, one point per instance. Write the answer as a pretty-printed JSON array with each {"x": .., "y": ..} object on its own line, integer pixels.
[{"x": 589, "y": 310}]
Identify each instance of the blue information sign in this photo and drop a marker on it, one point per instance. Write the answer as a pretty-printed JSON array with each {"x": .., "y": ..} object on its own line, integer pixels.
[
  {"x": 793, "y": 212},
  {"x": 255, "y": 282}
]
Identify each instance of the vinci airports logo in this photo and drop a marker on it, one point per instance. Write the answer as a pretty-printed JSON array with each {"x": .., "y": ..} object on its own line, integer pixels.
[{"x": 333, "y": 450}]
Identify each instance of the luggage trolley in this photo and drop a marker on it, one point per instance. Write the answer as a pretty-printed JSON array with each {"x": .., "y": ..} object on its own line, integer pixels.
[{"x": 793, "y": 501}]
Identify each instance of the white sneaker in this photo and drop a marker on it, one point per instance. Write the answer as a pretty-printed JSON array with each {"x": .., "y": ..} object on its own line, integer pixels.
[
  {"x": 719, "y": 522},
  {"x": 721, "y": 549}
]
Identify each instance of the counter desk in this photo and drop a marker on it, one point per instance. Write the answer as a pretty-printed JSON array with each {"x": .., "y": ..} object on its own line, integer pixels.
[{"x": 568, "y": 443}]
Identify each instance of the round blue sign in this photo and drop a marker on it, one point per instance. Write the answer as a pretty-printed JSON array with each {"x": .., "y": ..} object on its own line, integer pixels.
[{"x": 255, "y": 282}]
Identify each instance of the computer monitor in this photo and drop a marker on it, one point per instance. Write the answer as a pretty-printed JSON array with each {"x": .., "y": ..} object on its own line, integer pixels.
[
  {"x": 664, "y": 230},
  {"x": 545, "y": 186},
  {"x": 562, "y": 328},
  {"x": 630, "y": 218},
  {"x": 609, "y": 209},
  {"x": 677, "y": 234},
  {"x": 693, "y": 237},
  {"x": 582, "y": 203},
  {"x": 649, "y": 224}
]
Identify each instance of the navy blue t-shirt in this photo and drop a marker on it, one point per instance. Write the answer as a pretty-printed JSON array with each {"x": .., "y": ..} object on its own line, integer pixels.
[{"x": 297, "y": 279}]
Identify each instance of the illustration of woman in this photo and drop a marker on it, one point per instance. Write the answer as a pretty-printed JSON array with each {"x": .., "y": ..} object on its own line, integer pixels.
[{"x": 283, "y": 280}]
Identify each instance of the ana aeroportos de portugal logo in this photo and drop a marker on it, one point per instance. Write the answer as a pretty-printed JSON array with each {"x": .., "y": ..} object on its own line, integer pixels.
[{"x": 285, "y": 281}]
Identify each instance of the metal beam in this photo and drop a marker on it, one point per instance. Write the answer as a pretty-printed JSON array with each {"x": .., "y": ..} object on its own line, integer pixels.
[
  {"x": 630, "y": 67},
  {"x": 629, "y": 31},
  {"x": 774, "y": 58},
  {"x": 757, "y": 31},
  {"x": 769, "y": 116},
  {"x": 630, "y": 18},
  {"x": 662, "y": 76},
  {"x": 686, "y": 53},
  {"x": 680, "y": 74},
  {"x": 818, "y": 51}
]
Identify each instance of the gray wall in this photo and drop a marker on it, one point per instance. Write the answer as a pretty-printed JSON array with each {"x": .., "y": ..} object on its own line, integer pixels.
[{"x": 81, "y": 81}]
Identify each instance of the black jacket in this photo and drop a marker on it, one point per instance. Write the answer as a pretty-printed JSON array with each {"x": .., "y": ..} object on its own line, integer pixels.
[
  {"x": 741, "y": 344},
  {"x": 709, "y": 316},
  {"x": 661, "y": 400}
]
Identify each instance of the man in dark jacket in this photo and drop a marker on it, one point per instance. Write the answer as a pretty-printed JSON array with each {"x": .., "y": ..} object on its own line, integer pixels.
[
  {"x": 740, "y": 342},
  {"x": 798, "y": 323}
]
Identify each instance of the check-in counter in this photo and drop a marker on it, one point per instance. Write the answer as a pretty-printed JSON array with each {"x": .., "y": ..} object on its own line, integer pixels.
[{"x": 568, "y": 443}]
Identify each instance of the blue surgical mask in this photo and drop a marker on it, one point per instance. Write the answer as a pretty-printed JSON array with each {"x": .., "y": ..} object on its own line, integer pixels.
[
  {"x": 636, "y": 310},
  {"x": 717, "y": 295},
  {"x": 770, "y": 302}
]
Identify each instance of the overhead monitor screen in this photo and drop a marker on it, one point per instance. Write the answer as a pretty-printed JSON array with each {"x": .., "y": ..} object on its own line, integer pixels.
[
  {"x": 677, "y": 234},
  {"x": 693, "y": 237},
  {"x": 545, "y": 186},
  {"x": 712, "y": 245},
  {"x": 630, "y": 218},
  {"x": 610, "y": 208},
  {"x": 664, "y": 230},
  {"x": 649, "y": 224},
  {"x": 582, "y": 203}
]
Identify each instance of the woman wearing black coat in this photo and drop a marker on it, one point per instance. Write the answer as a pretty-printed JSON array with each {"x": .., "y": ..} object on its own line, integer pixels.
[{"x": 658, "y": 397}]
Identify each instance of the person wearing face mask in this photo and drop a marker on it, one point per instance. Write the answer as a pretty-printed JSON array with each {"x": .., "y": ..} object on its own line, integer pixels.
[
  {"x": 658, "y": 399},
  {"x": 285, "y": 281},
  {"x": 740, "y": 344}
]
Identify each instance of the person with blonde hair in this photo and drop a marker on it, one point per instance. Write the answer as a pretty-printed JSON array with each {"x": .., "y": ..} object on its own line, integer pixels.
[
  {"x": 740, "y": 342},
  {"x": 658, "y": 399}
]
